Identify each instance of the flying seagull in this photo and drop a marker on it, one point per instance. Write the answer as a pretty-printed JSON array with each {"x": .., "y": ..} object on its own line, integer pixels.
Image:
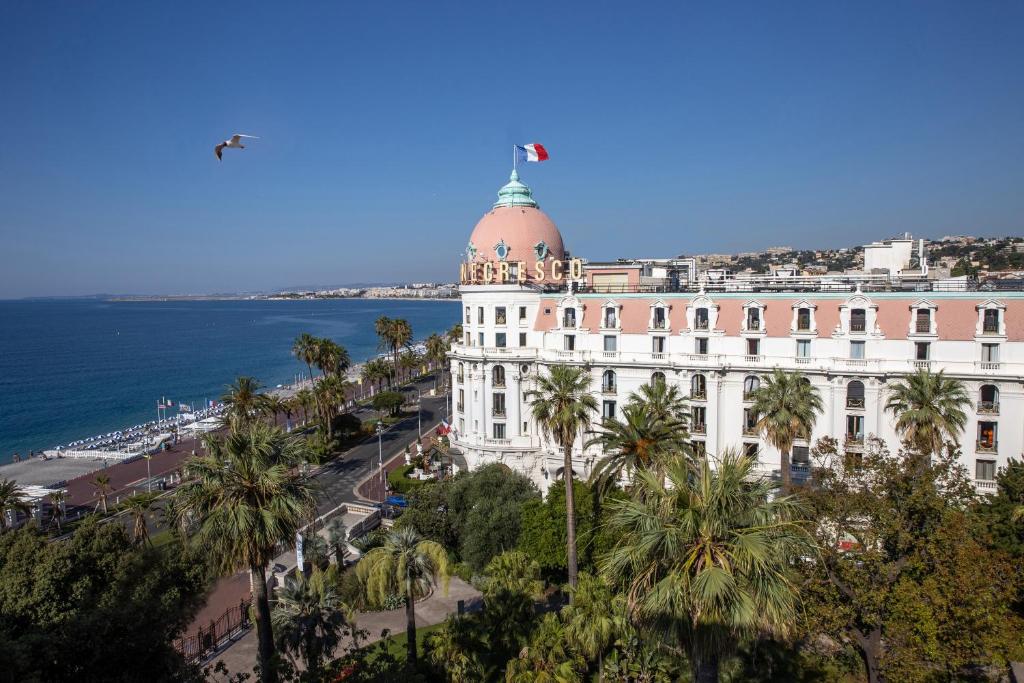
[{"x": 235, "y": 141}]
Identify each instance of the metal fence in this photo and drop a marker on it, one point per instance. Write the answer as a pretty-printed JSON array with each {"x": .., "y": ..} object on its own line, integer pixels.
[{"x": 207, "y": 640}]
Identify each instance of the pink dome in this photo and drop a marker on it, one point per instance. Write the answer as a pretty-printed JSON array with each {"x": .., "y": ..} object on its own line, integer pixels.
[{"x": 521, "y": 229}]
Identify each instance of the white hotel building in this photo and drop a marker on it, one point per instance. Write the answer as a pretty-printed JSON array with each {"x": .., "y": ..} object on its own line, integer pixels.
[{"x": 714, "y": 334}]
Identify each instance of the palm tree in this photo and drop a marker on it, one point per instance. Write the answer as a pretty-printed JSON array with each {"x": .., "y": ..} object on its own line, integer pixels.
[
  {"x": 305, "y": 349},
  {"x": 394, "y": 334},
  {"x": 666, "y": 403},
  {"x": 337, "y": 539},
  {"x": 547, "y": 659},
  {"x": 409, "y": 361},
  {"x": 788, "y": 406},
  {"x": 406, "y": 564},
  {"x": 331, "y": 358},
  {"x": 329, "y": 392},
  {"x": 273, "y": 405},
  {"x": 376, "y": 371},
  {"x": 454, "y": 335},
  {"x": 929, "y": 410},
  {"x": 58, "y": 501},
  {"x": 12, "y": 500},
  {"x": 309, "y": 620},
  {"x": 101, "y": 482},
  {"x": 138, "y": 506},
  {"x": 247, "y": 497},
  {"x": 304, "y": 399},
  {"x": 243, "y": 400},
  {"x": 437, "y": 354},
  {"x": 589, "y": 621},
  {"x": 705, "y": 557},
  {"x": 639, "y": 441},
  {"x": 562, "y": 406}
]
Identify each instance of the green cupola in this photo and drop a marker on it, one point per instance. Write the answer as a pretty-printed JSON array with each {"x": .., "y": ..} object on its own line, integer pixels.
[{"x": 514, "y": 193}]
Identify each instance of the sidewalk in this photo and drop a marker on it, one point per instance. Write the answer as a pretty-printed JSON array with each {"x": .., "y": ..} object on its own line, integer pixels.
[{"x": 241, "y": 655}]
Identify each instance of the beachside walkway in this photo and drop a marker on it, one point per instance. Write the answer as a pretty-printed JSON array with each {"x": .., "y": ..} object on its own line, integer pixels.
[{"x": 241, "y": 655}]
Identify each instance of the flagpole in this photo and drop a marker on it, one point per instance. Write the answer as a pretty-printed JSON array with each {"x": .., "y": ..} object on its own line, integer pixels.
[{"x": 515, "y": 158}]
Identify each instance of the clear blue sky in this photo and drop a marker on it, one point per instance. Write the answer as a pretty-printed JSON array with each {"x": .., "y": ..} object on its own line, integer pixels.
[{"x": 673, "y": 127}]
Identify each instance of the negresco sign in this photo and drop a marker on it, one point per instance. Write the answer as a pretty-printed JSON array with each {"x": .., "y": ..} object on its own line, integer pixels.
[{"x": 510, "y": 272}]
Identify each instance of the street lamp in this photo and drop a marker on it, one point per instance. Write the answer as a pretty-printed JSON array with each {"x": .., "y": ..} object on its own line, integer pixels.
[
  {"x": 149, "y": 475},
  {"x": 380, "y": 454},
  {"x": 419, "y": 412}
]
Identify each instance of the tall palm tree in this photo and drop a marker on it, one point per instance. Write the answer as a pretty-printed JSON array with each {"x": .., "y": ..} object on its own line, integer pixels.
[
  {"x": 247, "y": 498},
  {"x": 309, "y": 620},
  {"x": 12, "y": 499},
  {"x": 562, "y": 405},
  {"x": 273, "y": 405},
  {"x": 589, "y": 621},
  {"x": 929, "y": 410},
  {"x": 138, "y": 506},
  {"x": 376, "y": 372},
  {"x": 58, "y": 501},
  {"x": 409, "y": 361},
  {"x": 304, "y": 399},
  {"x": 331, "y": 358},
  {"x": 305, "y": 349},
  {"x": 395, "y": 334},
  {"x": 408, "y": 565},
  {"x": 666, "y": 403},
  {"x": 330, "y": 392},
  {"x": 337, "y": 539},
  {"x": 705, "y": 557},
  {"x": 638, "y": 441},
  {"x": 243, "y": 400},
  {"x": 437, "y": 354},
  {"x": 101, "y": 483},
  {"x": 788, "y": 406}
]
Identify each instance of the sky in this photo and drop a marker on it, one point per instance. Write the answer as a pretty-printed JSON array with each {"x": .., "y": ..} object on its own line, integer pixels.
[{"x": 387, "y": 128}]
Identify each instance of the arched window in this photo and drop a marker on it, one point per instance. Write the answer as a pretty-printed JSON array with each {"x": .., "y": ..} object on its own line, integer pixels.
[
  {"x": 462, "y": 373},
  {"x": 855, "y": 394},
  {"x": 751, "y": 383},
  {"x": 698, "y": 387},
  {"x": 608, "y": 382},
  {"x": 701, "y": 319},
  {"x": 657, "y": 378},
  {"x": 989, "y": 400},
  {"x": 498, "y": 375}
]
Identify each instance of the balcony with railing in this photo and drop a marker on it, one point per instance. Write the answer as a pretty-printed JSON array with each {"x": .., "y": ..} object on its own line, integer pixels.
[
  {"x": 854, "y": 441},
  {"x": 498, "y": 411},
  {"x": 608, "y": 388},
  {"x": 499, "y": 383},
  {"x": 921, "y": 364},
  {"x": 988, "y": 407},
  {"x": 497, "y": 442},
  {"x": 986, "y": 446},
  {"x": 750, "y": 430},
  {"x": 699, "y": 395},
  {"x": 988, "y": 365},
  {"x": 854, "y": 403},
  {"x": 700, "y": 428}
]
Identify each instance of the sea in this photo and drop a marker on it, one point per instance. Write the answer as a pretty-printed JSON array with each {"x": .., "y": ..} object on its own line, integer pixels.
[{"x": 75, "y": 368}]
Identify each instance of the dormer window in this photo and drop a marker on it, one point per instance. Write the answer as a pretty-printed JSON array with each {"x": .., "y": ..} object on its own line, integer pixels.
[
  {"x": 610, "y": 319},
  {"x": 858, "y": 320},
  {"x": 660, "y": 318},
  {"x": 923, "y": 321},
  {"x": 803, "y": 320},
  {"x": 990, "y": 323},
  {"x": 569, "y": 317},
  {"x": 700, "y": 319},
  {"x": 754, "y": 319}
]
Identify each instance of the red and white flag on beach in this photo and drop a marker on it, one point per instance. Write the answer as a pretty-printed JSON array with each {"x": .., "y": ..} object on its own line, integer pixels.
[{"x": 531, "y": 152}]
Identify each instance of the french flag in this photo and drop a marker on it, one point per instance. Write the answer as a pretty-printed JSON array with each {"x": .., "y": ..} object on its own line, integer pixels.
[{"x": 531, "y": 152}]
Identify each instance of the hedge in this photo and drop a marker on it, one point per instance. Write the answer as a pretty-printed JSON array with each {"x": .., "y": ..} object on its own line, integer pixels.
[{"x": 400, "y": 482}]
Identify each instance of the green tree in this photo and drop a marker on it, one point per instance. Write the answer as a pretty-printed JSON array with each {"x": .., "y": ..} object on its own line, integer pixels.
[
  {"x": 1003, "y": 513},
  {"x": 408, "y": 565},
  {"x": 547, "y": 658},
  {"x": 640, "y": 440},
  {"x": 389, "y": 402},
  {"x": 666, "y": 404},
  {"x": 902, "y": 575},
  {"x": 138, "y": 507},
  {"x": 247, "y": 497},
  {"x": 58, "y": 501},
  {"x": 788, "y": 406},
  {"x": 101, "y": 483},
  {"x": 929, "y": 410},
  {"x": 437, "y": 354},
  {"x": 562, "y": 406},
  {"x": 337, "y": 540},
  {"x": 305, "y": 400},
  {"x": 589, "y": 620},
  {"x": 544, "y": 531},
  {"x": 305, "y": 349},
  {"x": 243, "y": 400},
  {"x": 12, "y": 500},
  {"x": 309, "y": 620},
  {"x": 94, "y": 606},
  {"x": 273, "y": 405},
  {"x": 395, "y": 334},
  {"x": 332, "y": 358},
  {"x": 706, "y": 555}
]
